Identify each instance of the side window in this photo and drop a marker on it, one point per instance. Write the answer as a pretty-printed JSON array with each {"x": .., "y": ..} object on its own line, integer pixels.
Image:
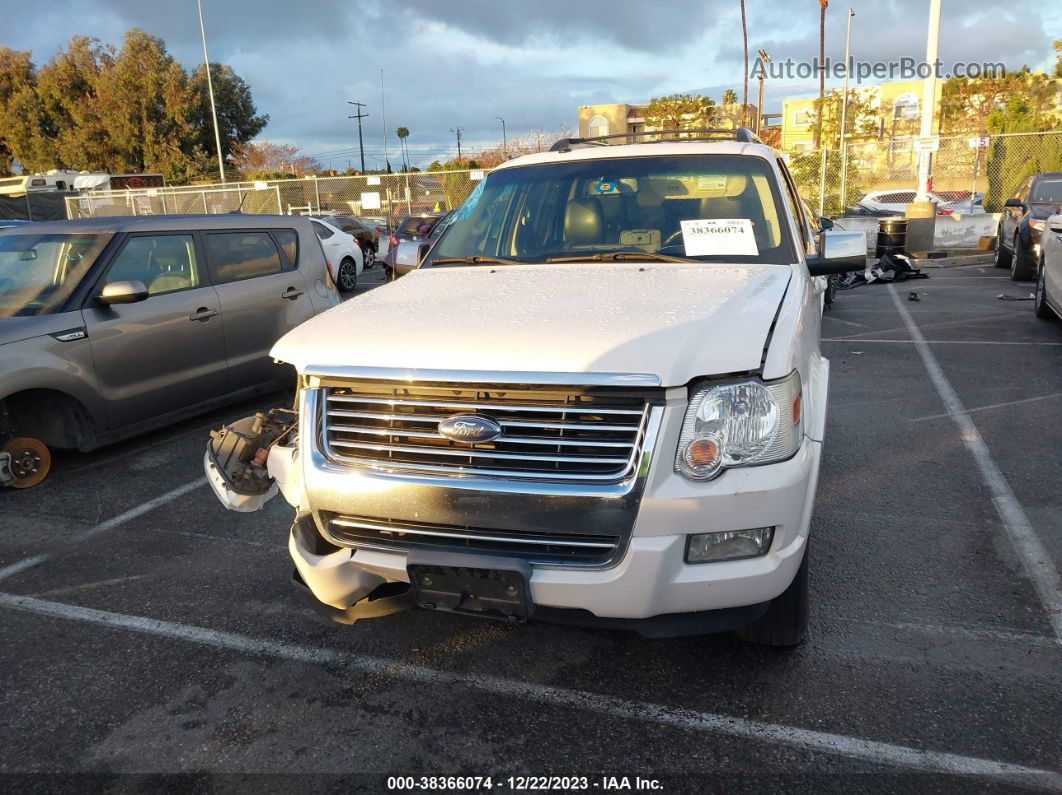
[
  {"x": 164, "y": 263},
  {"x": 792, "y": 201},
  {"x": 322, "y": 231},
  {"x": 234, "y": 256},
  {"x": 289, "y": 241}
]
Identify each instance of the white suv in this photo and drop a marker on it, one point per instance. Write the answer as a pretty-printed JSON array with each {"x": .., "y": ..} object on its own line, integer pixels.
[{"x": 600, "y": 400}]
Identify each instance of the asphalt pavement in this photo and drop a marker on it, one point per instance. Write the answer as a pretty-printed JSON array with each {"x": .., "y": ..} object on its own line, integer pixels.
[{"x": 146, "y": 631}]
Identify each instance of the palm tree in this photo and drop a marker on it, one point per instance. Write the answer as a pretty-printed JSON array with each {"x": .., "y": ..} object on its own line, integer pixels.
[
  {"x": 403, "y": 134},
  {"x": 729, "y": 97},
  {"x": 822, "y": 68},
  {"x": 745, "y": 74}
]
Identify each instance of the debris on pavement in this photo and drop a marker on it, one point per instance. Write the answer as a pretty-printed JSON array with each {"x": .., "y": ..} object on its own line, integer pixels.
[
  {"x": 890, "y": 268},
  {"x": 1004, "y": 297}
]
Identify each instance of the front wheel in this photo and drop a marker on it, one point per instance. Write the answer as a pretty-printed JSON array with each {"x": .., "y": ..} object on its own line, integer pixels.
[
  {"x": 1021, "y": 265},
  {"x": 369, "y": 255},
  {"x": 786, "y": 619},
  {"x": 347, "y": 278},
  {"x": 1002, "y": 255},
  {"x": 1040, "y": 307},
  {"x": 30, "y": 461}
]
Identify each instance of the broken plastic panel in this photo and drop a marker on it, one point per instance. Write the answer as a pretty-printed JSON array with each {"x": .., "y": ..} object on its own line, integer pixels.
[{"x": 236, "y": 459}]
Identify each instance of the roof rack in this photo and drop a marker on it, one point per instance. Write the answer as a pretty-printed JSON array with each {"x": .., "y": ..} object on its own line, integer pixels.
[{"x": 740, "y": 134}]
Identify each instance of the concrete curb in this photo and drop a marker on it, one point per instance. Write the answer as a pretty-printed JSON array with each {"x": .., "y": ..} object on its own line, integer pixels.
[{"x": 982, "y": 258}]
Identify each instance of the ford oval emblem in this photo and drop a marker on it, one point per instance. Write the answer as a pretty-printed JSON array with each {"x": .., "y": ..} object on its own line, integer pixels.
[{"x": 470, "y": 429}]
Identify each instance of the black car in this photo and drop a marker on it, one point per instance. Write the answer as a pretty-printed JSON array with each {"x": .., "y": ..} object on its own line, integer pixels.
[{"x": 1022, "y": 221}]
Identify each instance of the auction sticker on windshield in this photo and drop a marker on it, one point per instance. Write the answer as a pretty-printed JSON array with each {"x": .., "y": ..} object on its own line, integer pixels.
[{"x": 719, "y": 236}]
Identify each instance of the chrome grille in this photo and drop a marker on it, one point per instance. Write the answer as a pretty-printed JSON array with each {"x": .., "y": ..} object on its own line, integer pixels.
[
  {"x": 564, "y": 434},
  {"x": 573, "y": 549}
]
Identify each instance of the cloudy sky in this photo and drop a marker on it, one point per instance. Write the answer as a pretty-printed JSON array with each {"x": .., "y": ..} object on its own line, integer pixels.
[{"x": 450, "y": 63}]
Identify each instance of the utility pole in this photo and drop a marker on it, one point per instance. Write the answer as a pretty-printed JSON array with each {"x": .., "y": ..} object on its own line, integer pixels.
[
  {"x": 505, "y": 143},
  {"x": 457, "y": 131},
  {"x": 359, "y": 116},
  {"x": 383, "y": 121},
  {"x": 844, "y": 115},
  {"x": 210, "y": 90},
  {"x": 764, "y": 60}
]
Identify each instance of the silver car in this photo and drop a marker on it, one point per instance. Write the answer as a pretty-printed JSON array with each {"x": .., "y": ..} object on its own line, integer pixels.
[{"x": 115, "y": 326}]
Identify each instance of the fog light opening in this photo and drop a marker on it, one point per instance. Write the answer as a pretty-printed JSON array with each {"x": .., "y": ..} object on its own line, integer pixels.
[{"x": 729, "y": 545}]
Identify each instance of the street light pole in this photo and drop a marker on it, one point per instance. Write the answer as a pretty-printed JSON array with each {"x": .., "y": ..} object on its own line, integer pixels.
[
  {"x": 505, "y": 143},
  {"x": 929, "y": 102},
  {"x": 844, "y": 115},
  {"x": 210, "y": 90},
  {"x": 457, "y": 131}
]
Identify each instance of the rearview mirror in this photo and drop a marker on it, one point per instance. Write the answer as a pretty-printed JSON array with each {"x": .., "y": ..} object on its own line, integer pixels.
[
  {"x": 824, "y": 224},
  {"x": 1014, "y": 203},
  {"x": 123, "y": 292},
  {"x": 839, "y": 252}
]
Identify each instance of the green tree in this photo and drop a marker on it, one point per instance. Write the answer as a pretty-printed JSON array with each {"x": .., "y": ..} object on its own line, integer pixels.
[
  {"x": 729, "y": 97},
  {"x": 238, "y": 119},
  {"x": 968, "y": 105},
  {"x": 1058, "y": 59},
  {"x": 403, "y": 134},
  {"x": 24, "y": 132},
  {"x": 680, "y": 112}
]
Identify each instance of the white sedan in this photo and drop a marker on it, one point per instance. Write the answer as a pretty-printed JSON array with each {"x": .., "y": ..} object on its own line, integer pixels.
[
  {"x": 342, "y": 252},
  {"x": 1048, "y": 302}
]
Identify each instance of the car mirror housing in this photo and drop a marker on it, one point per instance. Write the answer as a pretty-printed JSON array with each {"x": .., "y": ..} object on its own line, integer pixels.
[
  {"x": 839, "y": 252},
  {"x": 123, "y": 292},
  {"x": 825, "y": 223},
  {"x": 422, "y": 252}
]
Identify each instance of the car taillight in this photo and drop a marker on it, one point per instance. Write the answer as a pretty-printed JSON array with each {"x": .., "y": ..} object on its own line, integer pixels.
[{"x": 945, "y": 212}]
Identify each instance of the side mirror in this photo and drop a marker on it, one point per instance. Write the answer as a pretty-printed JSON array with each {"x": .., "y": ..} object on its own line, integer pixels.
[
  {"x": 839, "y": 252},
  {"x": 824, "y": 224},
  {"x": 1014, "y": 203},
  {"x": 123, "y": 292},
  {"x": 422, "y": 252}
]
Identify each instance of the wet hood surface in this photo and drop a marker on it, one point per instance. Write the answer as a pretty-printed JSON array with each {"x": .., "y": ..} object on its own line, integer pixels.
[{"x": 674, "y": 321}]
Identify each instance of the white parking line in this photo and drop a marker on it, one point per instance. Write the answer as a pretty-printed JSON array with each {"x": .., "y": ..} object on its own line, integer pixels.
[
  {"x": 871, "y": 751},
  {"x": 113, "y": 522},
  {"x": 1027, "y": 543},
  {"x": 861, "y": 340},
  {"x": 991, "y": 406}
]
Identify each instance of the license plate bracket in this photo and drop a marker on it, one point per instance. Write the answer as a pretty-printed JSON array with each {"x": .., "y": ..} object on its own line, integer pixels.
[{"x": 477, "y": 585}]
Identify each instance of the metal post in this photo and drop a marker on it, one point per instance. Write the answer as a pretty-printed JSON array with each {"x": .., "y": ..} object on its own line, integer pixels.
[
  {"x": 317, "y": 192},
  {"x": 929, "y": 102},
  {"x": 409, "y": 200},
  {"x": 505, "y": 142},
  {"x": 206, "y": 208},
  {"x": 280, "y": 207},
  {"x": 822, "y": 178},
  {"x": 844, "y": 114},
  {"x": 210, "y": 90},
  {"x": 973, "y": 185}
]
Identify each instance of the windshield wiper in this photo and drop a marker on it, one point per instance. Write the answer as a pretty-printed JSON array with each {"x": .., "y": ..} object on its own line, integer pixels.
[
  {"x": 475, "y": 260},
  {"x": 620, "y": 256}
]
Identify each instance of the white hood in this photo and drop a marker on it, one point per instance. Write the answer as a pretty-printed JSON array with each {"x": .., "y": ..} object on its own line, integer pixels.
[{"x": 674, "y": 321}]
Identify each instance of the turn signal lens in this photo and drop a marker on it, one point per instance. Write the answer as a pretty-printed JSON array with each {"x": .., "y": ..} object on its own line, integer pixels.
[{"x": 703, "y": 455}]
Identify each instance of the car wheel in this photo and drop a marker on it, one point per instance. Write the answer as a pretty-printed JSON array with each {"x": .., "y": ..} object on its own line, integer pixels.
[
  {"x": 30, "y": 460},
  {"x": 369, "y": 255},
  {"x": 1002, "y": 255},
  {"x": 347, "y": 278},
  {"x": 1021, "y": 266},
  {"x": 1040, "y": 307},
  {"x": 786, "y": 619}
]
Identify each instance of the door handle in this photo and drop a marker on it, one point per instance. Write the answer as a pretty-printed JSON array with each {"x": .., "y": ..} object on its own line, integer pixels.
[
  {"x": 291, "y": 294},
  {"x": 202, "y": 314}
]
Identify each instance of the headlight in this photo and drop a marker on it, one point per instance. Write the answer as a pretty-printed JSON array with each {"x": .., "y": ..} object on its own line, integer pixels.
[{"x": 739, "y": 423}]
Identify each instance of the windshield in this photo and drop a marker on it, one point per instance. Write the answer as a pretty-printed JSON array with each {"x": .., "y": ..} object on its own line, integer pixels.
[
  {"x": 708, "y": 207},
  {"x": 1047, "y": 190},
  {"x": 38, "y": 272}
]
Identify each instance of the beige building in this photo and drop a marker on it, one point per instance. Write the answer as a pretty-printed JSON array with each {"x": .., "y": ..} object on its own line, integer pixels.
[{"x": 624, "y": 119}]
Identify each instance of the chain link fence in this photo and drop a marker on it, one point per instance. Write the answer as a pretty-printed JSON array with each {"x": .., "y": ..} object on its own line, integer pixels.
[
  {"x": 833, "y": 180},
  {"x": 836, "y": 180},
  {"x": 390, "y": 196}
]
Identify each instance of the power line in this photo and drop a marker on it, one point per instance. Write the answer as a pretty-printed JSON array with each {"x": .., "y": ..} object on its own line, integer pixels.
[
  {"x": 457, "y": 131},
  {"x": 359, "y": 116}
]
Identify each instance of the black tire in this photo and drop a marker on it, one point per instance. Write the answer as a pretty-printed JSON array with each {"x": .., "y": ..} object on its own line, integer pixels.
[
  {"x": 1040, "y": 307},
  {"x": 786, "y": 619},
  {"x": 347, "y": 275},
  {"x": 831, "y": 290},
  {"x": 1002, "y": 255},
  {"x": 368, "y": 253},
  {"x": 1022, "y": 268}
]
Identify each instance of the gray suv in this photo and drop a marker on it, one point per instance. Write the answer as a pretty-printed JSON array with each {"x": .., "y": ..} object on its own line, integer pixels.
[{"x": 114, "y": 326}]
